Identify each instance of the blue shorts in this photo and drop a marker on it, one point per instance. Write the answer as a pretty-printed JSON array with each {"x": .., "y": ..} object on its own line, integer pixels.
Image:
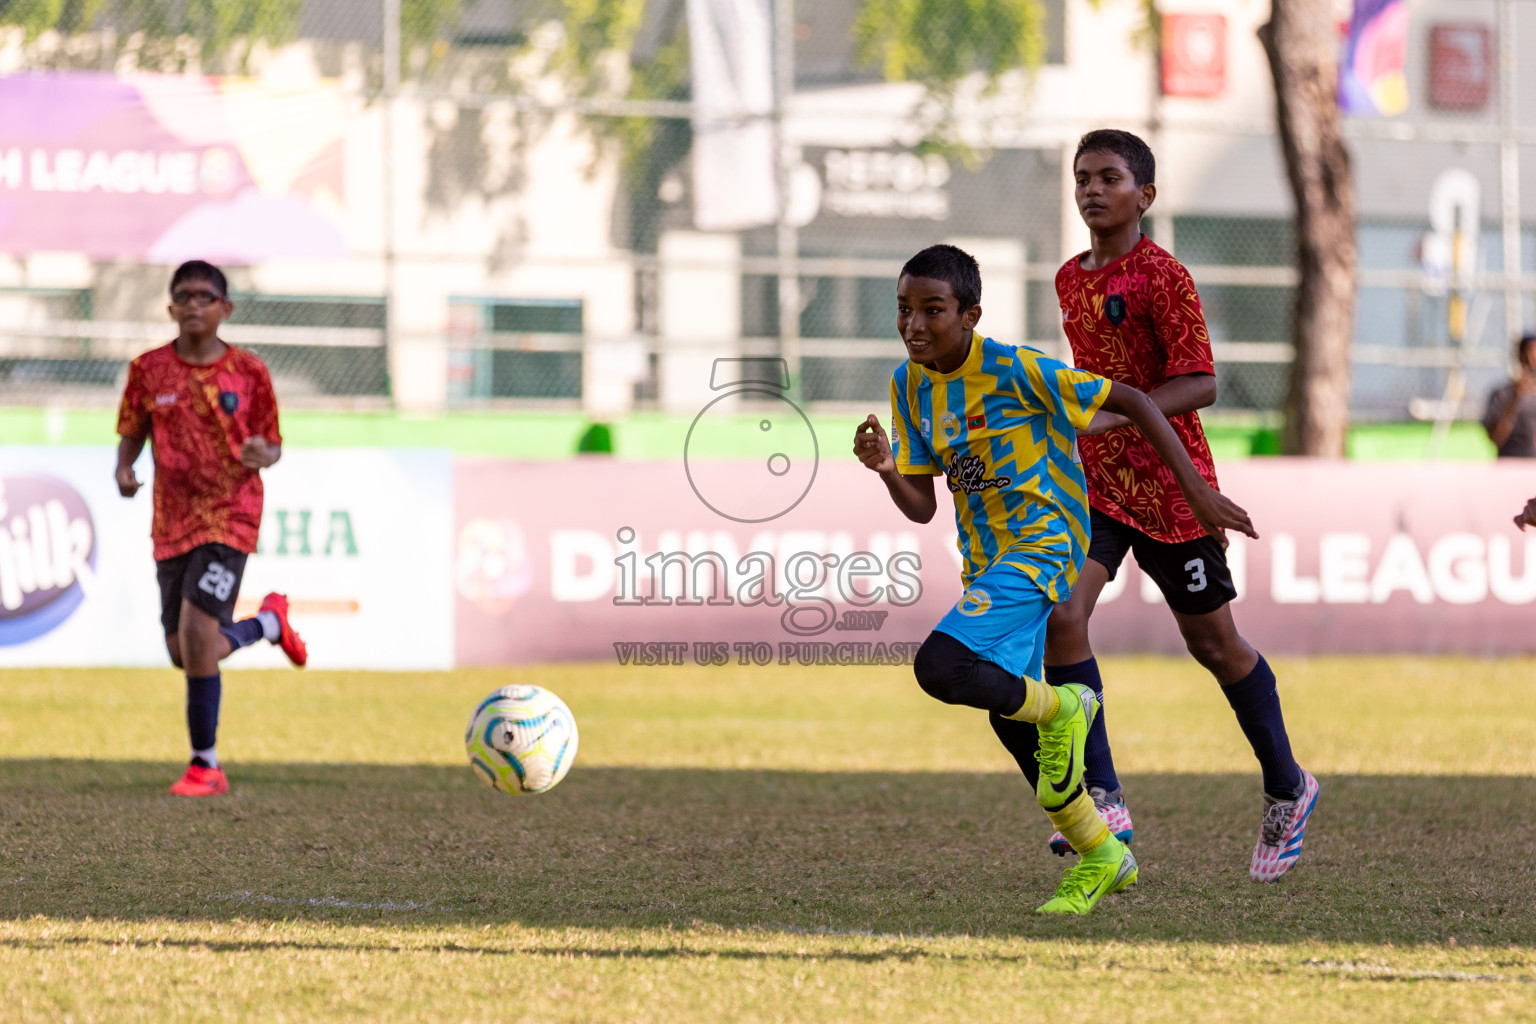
[{"x": 1002, "y": 617}]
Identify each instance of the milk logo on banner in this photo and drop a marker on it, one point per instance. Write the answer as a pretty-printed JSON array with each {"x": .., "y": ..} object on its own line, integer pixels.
[{"x": 47, "y": 555}]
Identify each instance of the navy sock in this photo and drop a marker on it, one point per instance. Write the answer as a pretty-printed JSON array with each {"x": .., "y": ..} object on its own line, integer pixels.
[
  {"x": 1256, "y": 702},
  {"x": 1098, "y": 762},
  {"x": 243, "y": 633},
  {"x": 203, "y": 694},
  {"x": 1021, "y": 739}
]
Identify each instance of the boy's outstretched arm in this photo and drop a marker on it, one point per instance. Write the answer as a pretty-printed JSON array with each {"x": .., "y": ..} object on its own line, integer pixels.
[
  {"x": 1184, "y": 393},
  {"x": 912, "y": 494},
  {"x": 128, "y": 450},
  {"x": 1212, "y": 509}
]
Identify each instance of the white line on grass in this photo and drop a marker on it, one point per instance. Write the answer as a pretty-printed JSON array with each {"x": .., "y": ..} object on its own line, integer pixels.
[
  {"x": 1392, "y": 973},
  {"x": 863, "y": 933},
  {"x": 329, "y": 901}
]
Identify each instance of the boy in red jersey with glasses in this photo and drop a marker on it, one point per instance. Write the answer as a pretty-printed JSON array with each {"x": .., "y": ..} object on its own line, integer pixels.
[
  {"x": 1131, "y": 313},
  {"x": 209, "y": 409}
]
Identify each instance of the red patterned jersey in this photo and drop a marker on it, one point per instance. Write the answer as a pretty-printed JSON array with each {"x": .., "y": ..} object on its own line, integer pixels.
[
  {"x": 1138, "y": 321},
  {"x": 197, "y": 417}
]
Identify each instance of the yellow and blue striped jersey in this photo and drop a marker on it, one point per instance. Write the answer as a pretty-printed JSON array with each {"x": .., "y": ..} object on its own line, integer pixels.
[{"x": 1002, "y": 429}]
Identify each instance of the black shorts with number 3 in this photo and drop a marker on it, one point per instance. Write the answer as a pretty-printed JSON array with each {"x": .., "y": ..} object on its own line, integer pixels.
[
  {"x": 1192, "y": 575},
  {"x": 208, "y": 576}
]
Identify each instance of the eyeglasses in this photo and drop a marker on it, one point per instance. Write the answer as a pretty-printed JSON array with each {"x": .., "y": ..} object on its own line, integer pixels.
[{"x": 203, "y": 298}]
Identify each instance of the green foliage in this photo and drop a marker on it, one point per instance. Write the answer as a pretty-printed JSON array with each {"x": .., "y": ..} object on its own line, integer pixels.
[
  {"x": 649, "y": 147},
  {"x": 596, "y": 439},
  {"x": 38, "y": 16},
  {"x": 594, "y": 28},
  {"x": 938, "y": 42},
  {"x": 215, "y": 24},
  {"x": 160, "y": 30},
  {"x": 664, "y": 75},
  {"x": 425, "y": 25}
]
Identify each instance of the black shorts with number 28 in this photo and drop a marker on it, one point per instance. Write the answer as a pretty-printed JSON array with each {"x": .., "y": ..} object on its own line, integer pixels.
[
  {"x": 208, "y": 576},
  {"x": 1192, "y": 575}
]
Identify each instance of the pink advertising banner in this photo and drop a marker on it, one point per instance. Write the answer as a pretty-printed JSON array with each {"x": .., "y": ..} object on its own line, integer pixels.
[
  {"x": 170, "y": 167},
  {"x": 588, "y": 559}
]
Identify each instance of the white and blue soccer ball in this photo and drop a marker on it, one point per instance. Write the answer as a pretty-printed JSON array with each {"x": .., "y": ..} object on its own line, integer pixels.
[{"x": 521, "y": 739}]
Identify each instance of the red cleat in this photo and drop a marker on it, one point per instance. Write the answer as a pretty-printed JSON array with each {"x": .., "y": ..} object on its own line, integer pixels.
[
  {"x": 292, "y": 644},
  {"x": 200, "y": 781}
]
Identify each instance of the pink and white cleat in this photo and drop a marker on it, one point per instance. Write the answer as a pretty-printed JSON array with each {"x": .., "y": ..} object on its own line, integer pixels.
[
  {"x": 1282, "y": 831},
  {"x": 1111, "y": 807}
]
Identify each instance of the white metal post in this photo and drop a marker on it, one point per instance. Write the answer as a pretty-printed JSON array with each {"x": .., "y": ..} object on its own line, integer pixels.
[
  {"x": 788, "y": 237},
  {"x": 391, "y": 26},
  {"x": 1509, "y": 172}
]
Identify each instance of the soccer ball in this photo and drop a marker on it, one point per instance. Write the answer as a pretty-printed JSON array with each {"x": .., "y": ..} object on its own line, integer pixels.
[{"x": 521, "y": 739}]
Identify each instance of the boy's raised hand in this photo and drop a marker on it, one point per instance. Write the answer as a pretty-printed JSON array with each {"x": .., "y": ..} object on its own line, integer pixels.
[
  {"x": 1215, "y": 512},
  {"x": 872, "y": 446}
]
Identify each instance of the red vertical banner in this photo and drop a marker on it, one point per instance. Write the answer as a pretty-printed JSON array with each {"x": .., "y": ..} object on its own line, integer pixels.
[
  {"x": 1461, "y": 66},
  {"x": 1194, "y": 54}
]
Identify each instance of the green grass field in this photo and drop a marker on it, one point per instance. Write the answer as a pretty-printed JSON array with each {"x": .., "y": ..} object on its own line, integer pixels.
[{"x": 755, "y": 845}]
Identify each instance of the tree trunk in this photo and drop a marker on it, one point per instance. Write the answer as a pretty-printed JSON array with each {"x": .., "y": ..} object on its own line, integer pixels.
[{"x": 1302, "y": 43}]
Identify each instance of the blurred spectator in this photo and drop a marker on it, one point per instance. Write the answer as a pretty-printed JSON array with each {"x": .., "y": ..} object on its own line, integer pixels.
[{"x": 1510, "y": 418}]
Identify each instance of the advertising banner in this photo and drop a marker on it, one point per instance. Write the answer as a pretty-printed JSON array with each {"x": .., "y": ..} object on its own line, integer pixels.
[
  {"x": 165, "y": 168},
  {"x": 587, "y": 559},
  {"x": 675, "y": 563},
  {"x": 359, "y": 539},
  {"x": 77, "y": 575}
]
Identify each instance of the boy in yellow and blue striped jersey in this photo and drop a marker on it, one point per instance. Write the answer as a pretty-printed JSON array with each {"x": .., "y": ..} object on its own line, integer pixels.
[{"x": 1000, "y": 424}]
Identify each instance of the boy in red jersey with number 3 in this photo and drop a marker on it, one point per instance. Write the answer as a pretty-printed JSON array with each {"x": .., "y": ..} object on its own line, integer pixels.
[
  {"x": 1132, "y": 315},
  {"x": 209, "y": 409}
]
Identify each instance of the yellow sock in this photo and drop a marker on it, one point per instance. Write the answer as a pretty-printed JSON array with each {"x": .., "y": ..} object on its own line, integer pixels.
[
  {"x": 1080, "y": 823},
  {"x": 1040, "y": 703}
]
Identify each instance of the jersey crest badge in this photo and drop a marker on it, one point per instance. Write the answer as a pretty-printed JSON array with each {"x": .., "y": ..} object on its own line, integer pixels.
[
  {"x": 229, "y": 401},
  {"x": 949, "y": 423},
  {"x": 1114, "y": 309}
]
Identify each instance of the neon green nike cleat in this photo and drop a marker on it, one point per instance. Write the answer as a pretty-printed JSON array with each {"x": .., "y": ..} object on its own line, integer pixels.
[
  {"x": 1062, "y": 743},
  {"x": 1102, "y": 872}
]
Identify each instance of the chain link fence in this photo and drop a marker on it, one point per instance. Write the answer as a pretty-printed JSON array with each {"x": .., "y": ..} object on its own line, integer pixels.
[{"x": 516, "y": 213}]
